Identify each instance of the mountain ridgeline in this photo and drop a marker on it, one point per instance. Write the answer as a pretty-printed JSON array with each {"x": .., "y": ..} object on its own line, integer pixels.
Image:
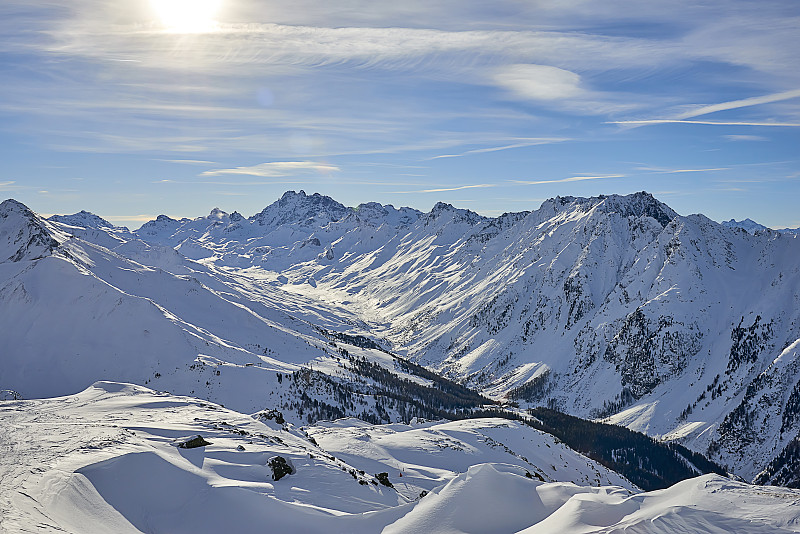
[{"x": 611, "y": 307}]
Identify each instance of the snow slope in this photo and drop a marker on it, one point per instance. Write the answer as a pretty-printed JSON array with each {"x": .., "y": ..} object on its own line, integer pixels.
[
  {"x": 606, "y": 306},
  {"x": 611, "y": 306},
  {"x": 106, "y": 460},
  {"x": 74, "y": 312},
  {"x": 424, "y": 455}
]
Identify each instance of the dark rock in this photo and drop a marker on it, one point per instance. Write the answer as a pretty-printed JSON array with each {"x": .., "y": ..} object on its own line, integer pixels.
[
  {"x": 193, "y": 442},
  {"x": 280, "y": 467},
  {"x": 383, "y": 478},
  {"x": 273, "y": 415}
]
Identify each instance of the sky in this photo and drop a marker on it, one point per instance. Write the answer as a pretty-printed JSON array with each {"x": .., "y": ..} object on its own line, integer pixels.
[{"x": 137, "y": 108}]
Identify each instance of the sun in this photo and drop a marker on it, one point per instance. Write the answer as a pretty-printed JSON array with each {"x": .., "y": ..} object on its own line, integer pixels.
[{"x": 187, "y": 16}]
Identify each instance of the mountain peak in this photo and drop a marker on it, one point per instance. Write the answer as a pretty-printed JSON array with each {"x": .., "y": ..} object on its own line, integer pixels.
[
  {"x": 157, "y": 225},
  {"x": 217, "y": 213},
  {"x": 747, "y": 225},
  {"x": 442, "y": 206},
  {"x": 641, "y": 204},
  {"x": 23, "y": 235},
  {"x": 298, "y": 207},
  {"x": 376, "y": 214},
  {"x": 293, "y": 194},
  {"x": 10, "y": 205},
  {"x": 82, "y": 219},
  {"x": 456, "y": 214}
]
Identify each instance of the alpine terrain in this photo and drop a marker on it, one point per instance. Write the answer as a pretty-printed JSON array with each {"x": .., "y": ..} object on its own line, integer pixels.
[{"x": 405, "y": 371}]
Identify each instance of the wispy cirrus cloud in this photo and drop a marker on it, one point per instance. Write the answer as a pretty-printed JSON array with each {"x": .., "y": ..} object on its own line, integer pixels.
[
  {"x": 276, "y": 169},
  {"x": 743, "y": 103},
  {"x": 392, "y": 83},
  {"x": 567, "y": 180},
  {"x": 522, "y": 144},
  {"x": 190, "y": 161},
  {"x": 445, "y": 189},
  {"x": 698, "y": 111},
  {"x": 645, "y": 122},
  {"x": 656, "y": 170},
  {"x": 741, "y": 137}
]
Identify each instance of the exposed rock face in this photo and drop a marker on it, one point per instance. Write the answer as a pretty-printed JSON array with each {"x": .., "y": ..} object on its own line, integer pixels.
[
  {"x": 271, "y": 415},
  {"x": 280, "y": 467},
  {"x": 383, "y": 478}
]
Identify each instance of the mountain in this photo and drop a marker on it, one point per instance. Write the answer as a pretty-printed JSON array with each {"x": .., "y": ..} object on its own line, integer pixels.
[
  {"x": 793, "y": 231},
  {"x": 23, "y": 235},
  {"x": 748, "y": 225},
  {"x": 611, "y": 307},
  {"x": 82, "y": 219},
  {"x": 606, "y": 306},
  {"x": 124, "y": 458},
  {"x": 92, "y": 228},
  {"x": 752, "y": 227},
  {"x": 74, "y": 311}
]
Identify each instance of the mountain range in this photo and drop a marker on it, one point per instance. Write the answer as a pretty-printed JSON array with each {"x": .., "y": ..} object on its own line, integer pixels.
[{"x": 613, "y": 308}]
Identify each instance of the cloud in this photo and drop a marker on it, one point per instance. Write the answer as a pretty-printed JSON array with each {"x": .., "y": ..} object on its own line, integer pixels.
[
  {"x": 124, "y": 218},
  {"x": 539, "y": 82},
  {"x": 400, "y": 48},
  {"x": 571, "y": 179},
  {"x": 724, "y": 106},
  {"x": 189, "y": 161},
  {"x": 276, "y": 169},
  {"x": 654, "y": 170},
  {"x": 529, "y": 142},
  {"x": 735, "y": 104},
  {"x": 711, "y": 123},
  {"x": 444, "y": 189},
  {"x": 562, "y": 89},
  {"x": 746, "y": 138},
  {"x": 378, "y": 78}
]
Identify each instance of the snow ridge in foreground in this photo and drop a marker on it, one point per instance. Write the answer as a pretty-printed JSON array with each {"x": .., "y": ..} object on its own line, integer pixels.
[{"x": 104, "y": 460}]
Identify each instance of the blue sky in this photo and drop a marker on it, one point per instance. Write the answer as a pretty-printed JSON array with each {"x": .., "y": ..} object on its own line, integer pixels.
[{"x": 132, "y": 109}]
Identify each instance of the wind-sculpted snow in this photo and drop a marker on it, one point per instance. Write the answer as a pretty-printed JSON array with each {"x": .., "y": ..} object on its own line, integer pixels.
[
  {"x": 423, "y": 455},
  {"x": 106, "y": 460},
  {"x": 611, "y": 306}
]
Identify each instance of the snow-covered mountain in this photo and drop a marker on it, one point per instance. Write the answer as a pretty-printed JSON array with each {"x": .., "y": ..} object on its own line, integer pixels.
[
  {"x": 126, "y": 459},
  {"x": 74, "y": 311},
  {"x": 752, "y": 227},
  {"x": 611, "y": 306},
  {"x": 748, "y": 225}
]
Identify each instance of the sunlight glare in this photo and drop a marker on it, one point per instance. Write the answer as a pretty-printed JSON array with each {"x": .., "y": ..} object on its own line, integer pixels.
[{"x": 187, "y": 16}]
